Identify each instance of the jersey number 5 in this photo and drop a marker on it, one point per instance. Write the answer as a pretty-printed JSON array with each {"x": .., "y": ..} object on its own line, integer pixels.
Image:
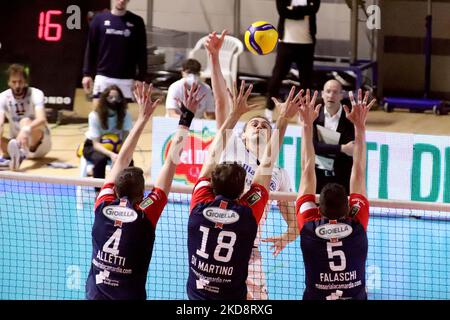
[
  {"x": 337, "y": 253},
  {"x": 227, "y": 246}
]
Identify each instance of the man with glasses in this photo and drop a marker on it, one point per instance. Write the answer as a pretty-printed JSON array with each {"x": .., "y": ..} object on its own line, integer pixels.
[{"x": 334, "y": 160}]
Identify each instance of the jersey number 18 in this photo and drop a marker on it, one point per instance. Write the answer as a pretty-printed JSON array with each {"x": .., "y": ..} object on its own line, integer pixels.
[{"x": 226, "y": 246}]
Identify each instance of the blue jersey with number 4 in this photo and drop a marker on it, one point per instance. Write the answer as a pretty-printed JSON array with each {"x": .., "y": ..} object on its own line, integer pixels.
[{"x": 122, "y": 240}]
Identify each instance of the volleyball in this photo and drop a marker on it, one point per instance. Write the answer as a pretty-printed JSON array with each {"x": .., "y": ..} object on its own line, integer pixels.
[
  {"x": 261, "y": 37},
  {"x": 111, "y": 141}
]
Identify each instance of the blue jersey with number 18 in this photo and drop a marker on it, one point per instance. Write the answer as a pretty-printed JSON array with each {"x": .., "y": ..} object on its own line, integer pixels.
[{"x": 221, "y": 233}]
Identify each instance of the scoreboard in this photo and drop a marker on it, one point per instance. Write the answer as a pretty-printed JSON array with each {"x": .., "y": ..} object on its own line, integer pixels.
[{"x": 49, "y": 38}]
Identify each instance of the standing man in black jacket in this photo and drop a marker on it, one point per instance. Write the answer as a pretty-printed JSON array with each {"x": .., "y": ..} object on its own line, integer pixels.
[
  {"x": 116, "y": 51},
  {"x": 340, "y": 155},
  {"x": 297, "y": 34}
]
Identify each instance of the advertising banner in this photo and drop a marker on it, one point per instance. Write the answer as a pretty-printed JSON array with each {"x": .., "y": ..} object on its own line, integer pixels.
[{"x": 399, "y": 166}]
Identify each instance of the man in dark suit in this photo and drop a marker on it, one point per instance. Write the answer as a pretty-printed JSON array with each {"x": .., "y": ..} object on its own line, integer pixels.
[{"x": 338, "y": 161}]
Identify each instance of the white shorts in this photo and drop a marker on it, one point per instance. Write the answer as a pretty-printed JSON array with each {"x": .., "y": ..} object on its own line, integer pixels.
[
  {"x": 102, "y": 82},
  {"x": 256, "y": 280},
  {"x": 44, "y": 147}
]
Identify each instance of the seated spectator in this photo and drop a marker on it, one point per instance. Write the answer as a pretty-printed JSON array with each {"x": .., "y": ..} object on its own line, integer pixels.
[
  {"x": 110, "y": 117},
  {"x": 29, "y": 135},
  {"x": 190, "y": 72}
]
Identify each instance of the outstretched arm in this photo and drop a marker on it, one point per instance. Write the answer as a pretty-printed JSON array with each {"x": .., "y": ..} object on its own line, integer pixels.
[
  {"x": 308, "y": 113},
  {"x": 287, "y": 210},
  {"x": 219, "y": 86},
  {"x": 288, "y": 110},
  {"x": 239, "y": 107},
  {"x": 189, "y": 105},
  {"x": 358, "y": 116},
  {"x": 142, "y": 93}
]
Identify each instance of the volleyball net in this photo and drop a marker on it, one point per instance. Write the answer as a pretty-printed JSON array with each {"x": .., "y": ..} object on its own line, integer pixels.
[{"x": 46, "y": 244}]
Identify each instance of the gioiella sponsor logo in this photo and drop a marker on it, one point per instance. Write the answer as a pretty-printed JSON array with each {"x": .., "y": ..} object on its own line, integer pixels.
[
  {"x": 118, "y": 213},
  {"x": 192, "y": 157},
  {"x": 336, "y": 230},
  {"x": 219, "y": 215}
]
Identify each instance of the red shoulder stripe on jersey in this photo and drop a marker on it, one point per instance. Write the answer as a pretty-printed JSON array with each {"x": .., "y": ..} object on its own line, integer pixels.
[
  {"x": 202, "y": 192},
  {"x": 306, "y": 210},
  {"x": 107, "y": 193},
  {"x": 359, "y": 209},
  {"x": 153, "y": 205},
  {"x": 256, "y": 199}
]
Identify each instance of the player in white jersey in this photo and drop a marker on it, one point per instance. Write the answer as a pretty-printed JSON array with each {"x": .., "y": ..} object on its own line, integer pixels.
[
  {"x": 246, "y": 150},
  {"x": 29, "y": 136}
]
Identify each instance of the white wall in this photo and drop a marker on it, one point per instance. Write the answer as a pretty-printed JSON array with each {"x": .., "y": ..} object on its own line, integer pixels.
[{"x": 203, "y": 16}]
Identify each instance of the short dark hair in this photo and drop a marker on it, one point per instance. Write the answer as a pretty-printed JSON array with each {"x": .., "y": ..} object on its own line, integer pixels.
[
  {"x": 228, "y": 180},
  {"x": 191, "y": 66},
  {"x": 17, "y": 69},
  {"x": 130, "y": 183},
  {"x": 333, "y": 203}
]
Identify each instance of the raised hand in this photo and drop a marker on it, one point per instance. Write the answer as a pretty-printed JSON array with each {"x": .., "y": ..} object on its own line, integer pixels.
[
  {"x": 239, "y": 100},
  {"x": 308, "y": 110},
  {"x": 360, "y": 109},
  {"x": 214, "y": 42},
  {"x": 142, "y": 92},
  {"x": 279, "y": 243},
  {"x": 290, "y": 107},
  {"x": 191, "y": 98}
]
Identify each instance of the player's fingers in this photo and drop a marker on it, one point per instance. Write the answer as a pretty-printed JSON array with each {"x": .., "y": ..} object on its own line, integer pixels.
[
  {"x": 308, "y": 97},
  {"x": 248, "y": 92},
  {"x": 299, "y": 96},
  {"x": 359, "y": 96},
  {"x": 291, "y": 95},
  {"x": 242, "y": 88},
  {"x": 313, "y": 101},
  {"x": 275, "y": 100},
  {"x": 366, "y": 98},
  {"x": 155, "y": 104},
  {"x": 230, "y": 94},
  {"x": 149, "y": 90},
  {"x": 352, "y": 98},
  {"x": 346, "y": 109},
  {"x": 234, "y": 89},
  {"x": 317, "y": 109},
  {"x": 371, "y": 104}
]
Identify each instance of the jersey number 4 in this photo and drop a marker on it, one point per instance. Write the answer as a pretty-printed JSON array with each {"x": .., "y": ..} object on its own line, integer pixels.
[
  {"x": 226, "y": 246},
  {"x": 112, "y": 244}
]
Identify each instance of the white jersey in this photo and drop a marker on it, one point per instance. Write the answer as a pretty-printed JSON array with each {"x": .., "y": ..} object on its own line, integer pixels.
[
  {"x": 17, "y": 109},
  {"x": 176, "y": 90},
  {"x": 235, "y": 150}
]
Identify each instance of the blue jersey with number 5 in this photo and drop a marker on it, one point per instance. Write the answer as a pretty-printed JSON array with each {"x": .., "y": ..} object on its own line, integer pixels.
[{"x": 334, "y": 251}]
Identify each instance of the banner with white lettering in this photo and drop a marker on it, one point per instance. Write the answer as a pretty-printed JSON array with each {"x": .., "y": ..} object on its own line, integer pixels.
[{"x": 400, "y": 166}]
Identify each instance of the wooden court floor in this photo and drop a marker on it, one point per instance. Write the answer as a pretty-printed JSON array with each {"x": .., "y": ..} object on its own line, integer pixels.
[{"x": 66, "y": 137}]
